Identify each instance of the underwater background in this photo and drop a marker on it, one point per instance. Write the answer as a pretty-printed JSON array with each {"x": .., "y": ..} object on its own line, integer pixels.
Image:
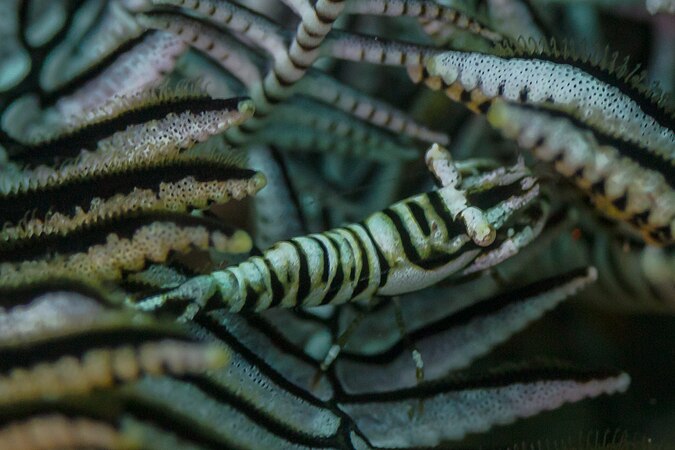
[{"x": 159, "y": 155}]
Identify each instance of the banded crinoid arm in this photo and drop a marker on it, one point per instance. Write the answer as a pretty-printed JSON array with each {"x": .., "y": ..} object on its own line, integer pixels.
[
  {"x": 323, "y": 87},
  {"x": 625, "y": 181},
  {"x": 408, "y": 246},
  {"x": 290, "y": 64},
  {"x": 372, "y": 143},
  {"x": 294, "y": 138},
  {"x": 84, "y": 193},
  {"x": 238, "y": 19},
  {"x": 109, "y": 249},
  {"x": 362, "y": 48},
  {"x": 143, "y": 66},
  {"x": 230, "y": 55},
  {"x": 426, "y": 11},
  {"x": 421, "y": 9},
  {"x": 316, "y": 21},
  {"x": 318, "y": 85},
  {"x": 602, "y": 95},
  {"x": 152, "y": 122},
  {"x": 453, "y": 408}
]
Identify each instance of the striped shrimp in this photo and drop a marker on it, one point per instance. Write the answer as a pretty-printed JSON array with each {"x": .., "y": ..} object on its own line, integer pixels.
[{"x": 457, "y": 228}]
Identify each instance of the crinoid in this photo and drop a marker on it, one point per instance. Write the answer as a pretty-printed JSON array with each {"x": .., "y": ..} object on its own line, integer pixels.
[{"x": 219, "y": 232}]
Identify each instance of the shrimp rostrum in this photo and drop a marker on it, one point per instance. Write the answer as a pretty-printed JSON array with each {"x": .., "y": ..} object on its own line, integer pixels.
[{"x": 466, "y": 225}]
